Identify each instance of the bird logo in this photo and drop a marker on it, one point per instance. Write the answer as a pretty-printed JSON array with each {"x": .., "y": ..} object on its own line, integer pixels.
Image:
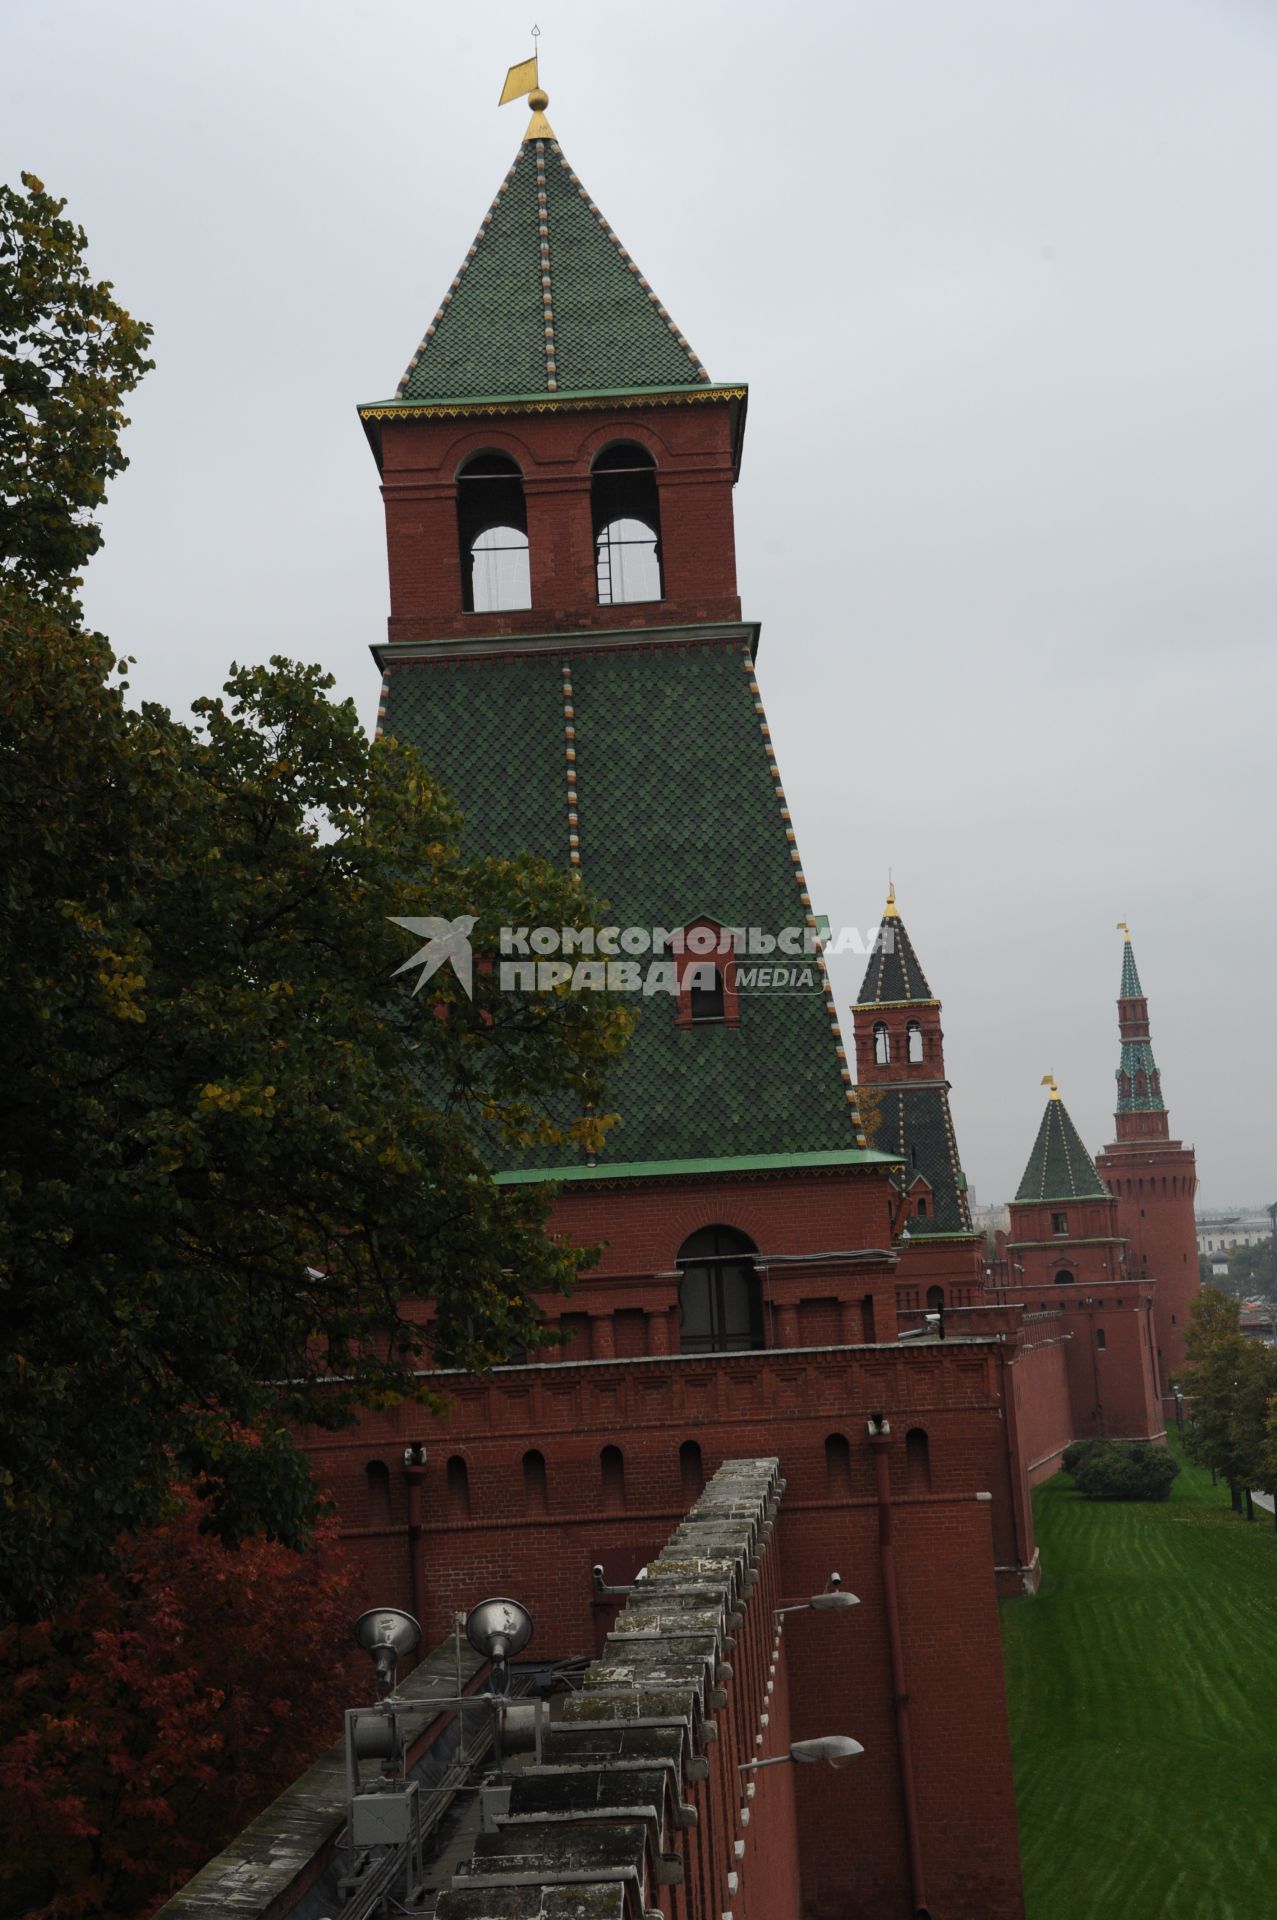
[{"x": 445, "y": 940}]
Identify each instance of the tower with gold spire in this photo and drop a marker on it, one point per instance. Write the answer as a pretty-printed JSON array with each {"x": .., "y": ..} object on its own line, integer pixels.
[
  {"x": 904, "y": 1101},
  {"x": 566, "y": 649},
  {"x": 1152, "y": 1177}
]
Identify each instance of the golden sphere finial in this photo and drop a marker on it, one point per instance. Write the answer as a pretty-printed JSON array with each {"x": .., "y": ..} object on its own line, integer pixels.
[{"x": 538, "y": 100}]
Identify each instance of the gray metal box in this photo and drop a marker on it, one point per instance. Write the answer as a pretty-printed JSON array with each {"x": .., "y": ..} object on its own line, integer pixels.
[{"x": 383, "y": 1819}]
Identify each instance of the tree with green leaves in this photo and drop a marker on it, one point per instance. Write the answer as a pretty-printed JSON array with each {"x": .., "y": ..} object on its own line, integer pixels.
[
  {"x": 236, "y": 1153},
  {"x": 69, "y": 355},
  {"x": 243, "y": 1171},
  {"x": 1230, "y": 1381}
]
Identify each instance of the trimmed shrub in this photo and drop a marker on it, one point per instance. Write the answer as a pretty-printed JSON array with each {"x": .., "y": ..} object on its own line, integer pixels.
[
  {"x": 1076, "y": 1452},
  {"x": 1125, "y": 1470}
]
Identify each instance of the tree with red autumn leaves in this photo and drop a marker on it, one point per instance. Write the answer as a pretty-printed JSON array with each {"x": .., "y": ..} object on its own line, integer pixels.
[{"x": 142, "y": 1730}]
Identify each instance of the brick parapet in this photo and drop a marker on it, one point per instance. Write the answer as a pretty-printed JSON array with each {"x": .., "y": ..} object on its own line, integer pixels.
[
  {"x": 278, "y": 1857},
  {"x": 638, "y": 1792}
]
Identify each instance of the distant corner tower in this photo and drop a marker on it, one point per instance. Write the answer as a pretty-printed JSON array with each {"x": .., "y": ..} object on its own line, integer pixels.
[
  {"x": 1152, "y": 1177},
  {"x": 904, "y": 1104}
]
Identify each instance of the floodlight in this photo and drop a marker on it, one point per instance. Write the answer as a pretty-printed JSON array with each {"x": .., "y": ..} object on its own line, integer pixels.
[
  {"x": 386, "y": 1633},
  {"x": 498, "y": 1629}
]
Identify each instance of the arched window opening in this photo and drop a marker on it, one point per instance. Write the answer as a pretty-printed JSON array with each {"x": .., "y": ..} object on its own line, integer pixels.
[
  {"x": 719, "y": 1303},
  {"x": 922, "y": 1206},
  {"x": 535, "y": 1490},
  {"x": 1101, "y": 1339},
  {"x": 691, "y": 1470},
  {"x": 868, "y": 1327},
  {"x": 838, "y": 1464},
  {"x": 492, "y": 528},
  {"x": 458, "y": 1488},
  {"x": 1064, "y": 1278},
  {"x": 626, "y": 510},
  {"x": 377, "y": 1481},
  {"x": 917, "y": 1461},
  {"x": 935, "y": 1298},
  {"x": 913, "y": 1042},
  {"x": 882, "y": 1044},
  {"x": 612, "y": 1463}
]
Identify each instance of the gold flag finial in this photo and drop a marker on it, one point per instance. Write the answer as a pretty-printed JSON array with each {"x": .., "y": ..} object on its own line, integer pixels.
[
  {"x": 1123, "y": 928},
  {"x": 524, "y": 79},
  {"x": 889, "y": 911},
  {"x": 1048, "y": 1080}
]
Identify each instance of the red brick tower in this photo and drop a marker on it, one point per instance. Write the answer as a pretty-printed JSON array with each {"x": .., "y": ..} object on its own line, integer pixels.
[
  {"x": 904, "y": 1103},
  {"x": 1066, "y": 1257},
  {"x": 1152, "y": 1177},
  {"x": 566, "y": 649}
]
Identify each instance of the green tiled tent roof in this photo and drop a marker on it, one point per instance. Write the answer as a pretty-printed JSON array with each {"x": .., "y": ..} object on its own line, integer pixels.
[
  {"x": 894, "y": 973},
  {"x": 678, "y": 818},
  {"x": 547, "y": 300},
  {"x": 1137, "y": 1055},
  {"x": 915, "y": 1123},
  {"x": 1130, "y": 988},
  {"x": 1060, "y": 1168}
]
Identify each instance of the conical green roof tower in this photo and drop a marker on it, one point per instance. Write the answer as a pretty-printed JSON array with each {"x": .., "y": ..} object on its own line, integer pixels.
[
  {"x": 1060, "y": 1168},
  {"x": 627, "y": 740}
]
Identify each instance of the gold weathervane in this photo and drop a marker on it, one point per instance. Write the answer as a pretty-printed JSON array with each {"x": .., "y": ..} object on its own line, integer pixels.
[
  {"x": 524, "y": 79},
  {"x": 1048, "y": 1080},
  {"x": 1123, "y": 928}
]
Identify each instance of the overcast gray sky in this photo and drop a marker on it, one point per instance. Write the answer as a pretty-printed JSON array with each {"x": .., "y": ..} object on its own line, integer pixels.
[{"x": 1002, "y": 276}]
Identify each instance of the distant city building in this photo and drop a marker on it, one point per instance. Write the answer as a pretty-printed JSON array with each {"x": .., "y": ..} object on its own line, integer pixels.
[{"x": 1243, "y": 1227}]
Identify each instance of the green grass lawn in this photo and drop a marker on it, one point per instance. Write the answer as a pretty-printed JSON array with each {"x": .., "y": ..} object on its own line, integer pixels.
[{"x": 1142, "y": 1684}]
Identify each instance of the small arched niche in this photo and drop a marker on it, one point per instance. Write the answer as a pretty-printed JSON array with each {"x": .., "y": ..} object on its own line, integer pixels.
[
  {"x": 377, "y": 1483},
  {"x": 625, "y": 508},
  {"x": 917, "y": 1461},
  {"x": 535, "y": 1487},
  {"x": 612, "y": 1468},
  {"x": 838, "y": 1464},
  {"x": 691, "y": 1470},
  {"x": 458, "y": 1488},
  {"x": 492, "y": 532}
]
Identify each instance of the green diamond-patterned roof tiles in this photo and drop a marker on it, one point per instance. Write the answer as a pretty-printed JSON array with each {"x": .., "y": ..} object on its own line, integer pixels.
[
  {"x": 547, "y": 300},
  {"x": 495, "y": 740},
  {"x": 1139, "y": 1084},
  {"x": 1060, "y": 1168},
  {"x": 678, "y": 818},
  {"x": 915, "y": 1123},
  {"x": 894, "y": 972},
  {"x": 1130, "y": 988}
]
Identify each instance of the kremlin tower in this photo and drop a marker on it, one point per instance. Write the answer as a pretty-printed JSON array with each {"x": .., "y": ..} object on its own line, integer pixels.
[{"x": 1152, "y": 1177}]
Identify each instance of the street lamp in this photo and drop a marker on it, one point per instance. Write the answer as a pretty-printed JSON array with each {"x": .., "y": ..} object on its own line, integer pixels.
[
  {"x": 830, "y": 1749},
  {"x": 836, "y": 1602}
]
